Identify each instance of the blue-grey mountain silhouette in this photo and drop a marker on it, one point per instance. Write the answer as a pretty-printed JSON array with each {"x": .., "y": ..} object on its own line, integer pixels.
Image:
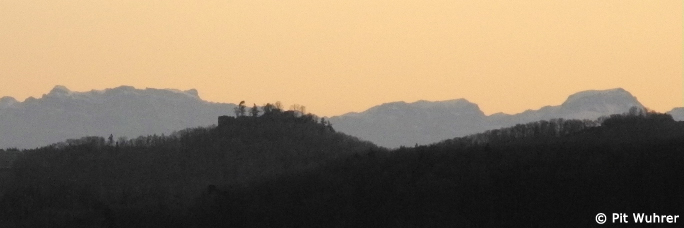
[
  {"x": 123, "y": 112},
  {"x": 126, "y": 111},
  {"x": 677, "y": 114},
  {"x": 423, "y": 122}
]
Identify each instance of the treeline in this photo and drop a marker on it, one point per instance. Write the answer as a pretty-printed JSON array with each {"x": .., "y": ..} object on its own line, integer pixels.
[
  {"x": 551, "y": 128},
  {"x": 555, "y": 128},
  {"x": 286, "y": 169},
  {"x": 96, "y": 180},
  {"x": 554, "y": 180},
  {"x": 7, "y": 157}
]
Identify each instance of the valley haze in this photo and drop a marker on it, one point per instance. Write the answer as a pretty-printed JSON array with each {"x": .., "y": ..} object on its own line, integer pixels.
[{"x": 126, "y": 111}]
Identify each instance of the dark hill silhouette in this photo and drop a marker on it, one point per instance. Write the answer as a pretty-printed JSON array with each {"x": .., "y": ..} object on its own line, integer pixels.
[
  {"x": 284, "y": 169},
  {"x": 95, "y": 178},
  {"x": 631, "y": 163}
]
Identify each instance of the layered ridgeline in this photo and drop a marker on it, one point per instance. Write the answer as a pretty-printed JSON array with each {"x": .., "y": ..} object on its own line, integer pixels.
[
  {"x": 539, "y": 174},
  {"x": 123, "y": 111},
  {"x": 423, "y": 122},
  {"x": 128, "y": 112},
  {"x": 149, "y": 181},
  {"x": 284, "y": 169}
]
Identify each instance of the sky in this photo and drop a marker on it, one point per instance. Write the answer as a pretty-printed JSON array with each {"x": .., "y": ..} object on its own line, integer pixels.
[{"x": 336, "y": 57}]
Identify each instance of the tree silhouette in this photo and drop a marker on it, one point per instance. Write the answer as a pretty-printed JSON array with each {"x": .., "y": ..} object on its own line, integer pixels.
[
  {"x": 636, "y": 111},
  {"x": 299, "y": 110},
  {"x": 254, "y": 111},
  {"x": 268, "y": 108},
  {"x": 279, "y": 105},
  {"x": 241, "y": 109},
  {"x": 110, "y": 140},
  {"x": 283, "y": 171}
]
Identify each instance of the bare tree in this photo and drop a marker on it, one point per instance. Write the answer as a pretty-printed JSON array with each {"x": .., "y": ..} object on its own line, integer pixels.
[
  {"x": 300, "y": 110},
  {"x": 294, "y": 107},
  {"x": 240, "y": 110},
  {"x": 254, "y": 111},
  {"x": 268, "y": 108},
  {"x": 636, "y": 111},
  {"x": 279, "y": 106},
  {"x": 110, "y": 140}
]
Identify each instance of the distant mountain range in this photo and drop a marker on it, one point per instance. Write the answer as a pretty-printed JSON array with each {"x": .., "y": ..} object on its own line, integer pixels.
[
  {"x": 406, "y": 124},
  {"x": 123, "y": 111},
  {"x": 129, "y": 112}
]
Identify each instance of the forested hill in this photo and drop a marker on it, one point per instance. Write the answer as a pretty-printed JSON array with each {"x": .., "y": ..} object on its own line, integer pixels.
[
  {"x": 630, "y": 164},
  {"x": 286, "y": 170},
  {"x": 637, "y": 124},
  {"x": 85, "y": 180}
]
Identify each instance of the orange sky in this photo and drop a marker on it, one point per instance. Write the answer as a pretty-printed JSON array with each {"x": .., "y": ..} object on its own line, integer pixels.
[{"x": 340, "y": 56}]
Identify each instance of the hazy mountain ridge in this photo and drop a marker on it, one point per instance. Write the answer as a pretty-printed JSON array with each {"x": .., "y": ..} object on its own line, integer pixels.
[
  {"x": 126, "y": 111},
  {"x": 121, "y": 111},
  {"x": 423, "y": 122}
]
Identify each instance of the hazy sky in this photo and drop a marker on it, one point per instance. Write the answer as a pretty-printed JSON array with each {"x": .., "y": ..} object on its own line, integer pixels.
[{"x": 347, "y": 55}]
